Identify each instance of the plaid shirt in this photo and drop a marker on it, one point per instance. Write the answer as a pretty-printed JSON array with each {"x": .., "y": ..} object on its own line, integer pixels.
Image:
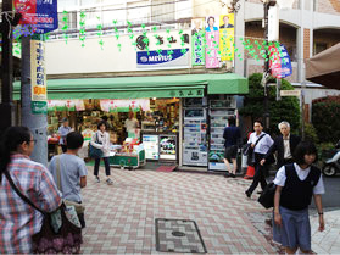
[{"x": 18, "y": 220}]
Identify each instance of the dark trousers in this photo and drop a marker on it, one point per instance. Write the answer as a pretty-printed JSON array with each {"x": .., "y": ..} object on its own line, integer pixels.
[
  {"x": 97, "y": 164},
  {"x": 260, "y": 174}
]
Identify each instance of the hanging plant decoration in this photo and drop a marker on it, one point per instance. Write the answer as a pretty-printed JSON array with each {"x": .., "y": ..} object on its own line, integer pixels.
[
  {"x": 65, "y": 27},
  {"x": 145, "y": 39},
  {"x": 100, "y": 32},
  {"x": 169, "y": 38},
  {"x": 82, "y": 28}
]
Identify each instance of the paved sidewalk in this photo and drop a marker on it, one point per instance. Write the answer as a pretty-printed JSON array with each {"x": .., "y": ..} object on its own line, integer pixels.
[{"x": 120, "y": 218}]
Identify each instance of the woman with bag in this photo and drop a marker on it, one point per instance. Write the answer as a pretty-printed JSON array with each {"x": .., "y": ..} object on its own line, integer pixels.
[
  {"x": 20, "y": 221},
  {"x": 296, "y": 184},
  {"x": 101, "y": 141},
  {"x": 69, "y": 172}
]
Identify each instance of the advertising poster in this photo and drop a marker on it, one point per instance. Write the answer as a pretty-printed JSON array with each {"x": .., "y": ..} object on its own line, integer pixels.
[
  {"x": 280, "y": 65},
  {"x": 198, "y": 42},
  {"x": 42, "y": 15},
  {"x": 162, "y": 58},
  {"x": 38, "y": 76},
  {"x": 227, "y": 30},
  {"x": 212, "y": 42}
]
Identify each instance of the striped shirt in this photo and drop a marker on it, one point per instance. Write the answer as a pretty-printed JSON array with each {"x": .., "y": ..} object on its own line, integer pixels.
[{"x": 18, "y": 220}]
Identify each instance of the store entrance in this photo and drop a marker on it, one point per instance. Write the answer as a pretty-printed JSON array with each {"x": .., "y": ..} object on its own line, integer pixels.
[{"x": 152, "y": 123}]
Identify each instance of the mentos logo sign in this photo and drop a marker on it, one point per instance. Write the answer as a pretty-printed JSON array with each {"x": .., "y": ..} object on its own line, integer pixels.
[{"x": 163, "y": 59}]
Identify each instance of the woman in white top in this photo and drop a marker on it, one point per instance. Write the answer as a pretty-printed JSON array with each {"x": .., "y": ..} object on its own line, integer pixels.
[{"x": 101, "y": 140}]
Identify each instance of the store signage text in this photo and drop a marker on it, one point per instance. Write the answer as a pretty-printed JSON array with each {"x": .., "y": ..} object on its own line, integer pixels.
[
  {"x": 163, "y": 58},
  {"x": 38, "y": 74}
]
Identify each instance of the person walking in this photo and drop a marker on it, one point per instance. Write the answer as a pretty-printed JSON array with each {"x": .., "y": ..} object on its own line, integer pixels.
[
  {"x": 73, "y": 172},
  {"x": 101, "y": 140},
  {"x": 231, "y": 136},
  {"x": 284, "y": 144},
  {"x": 63, "y": 131},
  {"x": 296, "y": 184},
  {"x": 260, "y": 143},
  {"x": 18, "y": 220}
]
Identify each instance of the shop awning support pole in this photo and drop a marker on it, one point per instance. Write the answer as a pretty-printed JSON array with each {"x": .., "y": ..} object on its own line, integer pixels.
[
  {"x": 36, "y": 123},
  {"x": 6, "y": 66}
]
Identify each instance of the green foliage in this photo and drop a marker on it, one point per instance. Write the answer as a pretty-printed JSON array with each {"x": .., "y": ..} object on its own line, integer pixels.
[
  {"x": 326, "y": 120},
  {"x": 311, "y": 133},
  {"x": 287, "y": 109}
]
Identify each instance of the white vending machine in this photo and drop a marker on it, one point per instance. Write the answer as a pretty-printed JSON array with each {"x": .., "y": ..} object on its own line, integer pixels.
[{"x": 195, "y": 148}]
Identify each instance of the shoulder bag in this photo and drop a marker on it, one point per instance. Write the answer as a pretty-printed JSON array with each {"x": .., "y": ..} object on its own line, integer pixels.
[
  {"x": 94, "y": 152},
  {"x": 66, "y": 241},
  {"x": 80, "y": 208}
]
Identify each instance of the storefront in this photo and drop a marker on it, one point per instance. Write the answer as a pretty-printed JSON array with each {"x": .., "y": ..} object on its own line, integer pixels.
[{"x": 176, "y": 115}]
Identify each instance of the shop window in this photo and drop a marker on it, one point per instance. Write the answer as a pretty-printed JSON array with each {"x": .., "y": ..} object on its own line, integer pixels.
[
  {"x": 71, "y": 22},
  {"x": 162, "y": 10}
]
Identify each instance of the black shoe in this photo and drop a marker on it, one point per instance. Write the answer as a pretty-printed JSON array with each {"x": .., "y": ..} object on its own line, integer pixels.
[
  {"x": 232, "y": 175},
  {"x": 259, "y": 192},
  {"x": 248, "y": 193},
  {"x": 227, "y": 175}
]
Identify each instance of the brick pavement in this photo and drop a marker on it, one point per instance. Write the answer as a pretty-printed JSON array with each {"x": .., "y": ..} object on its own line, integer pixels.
[{"x": 120, "y": 218}]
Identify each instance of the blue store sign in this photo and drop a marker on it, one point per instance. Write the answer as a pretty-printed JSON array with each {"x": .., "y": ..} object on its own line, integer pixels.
[
  {"x": 161, "y": 59},
  {"x": 41, "y": 15}
]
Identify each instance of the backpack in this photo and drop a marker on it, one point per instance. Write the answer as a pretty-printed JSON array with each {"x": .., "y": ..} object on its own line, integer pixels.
[{"x": 267, "y": 197}]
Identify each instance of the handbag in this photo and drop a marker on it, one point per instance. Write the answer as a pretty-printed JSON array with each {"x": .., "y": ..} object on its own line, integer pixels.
[
  {"x": 267, "y": 197},
  {"x": 67, "y": 240},
  {"x": 94, "y": 152},
  {"x": 80, "y": 208}
]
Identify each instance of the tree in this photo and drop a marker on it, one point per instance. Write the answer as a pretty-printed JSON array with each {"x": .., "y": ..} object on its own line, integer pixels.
[{"x": 287, "y": 109}]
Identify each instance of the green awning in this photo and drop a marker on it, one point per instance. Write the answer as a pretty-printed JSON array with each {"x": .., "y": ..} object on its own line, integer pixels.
[{"x": 192, "y": 85}]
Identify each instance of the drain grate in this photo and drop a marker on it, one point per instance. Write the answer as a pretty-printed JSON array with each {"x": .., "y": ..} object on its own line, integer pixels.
[{"x": 178, "y": 235}]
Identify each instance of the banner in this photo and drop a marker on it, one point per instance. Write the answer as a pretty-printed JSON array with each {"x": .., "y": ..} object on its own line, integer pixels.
[
  {"x": 38, "y": 74},
  {"x": 280, "y": 64},
  {"x": 197, "y": 42},
  {"x": 211, "y": 54},
  {"x": 227, "y": 33},
  {"x": 163, "y": 58},
  {"x": 41, "y": 15},
  {"x": 124, "y": 105}
]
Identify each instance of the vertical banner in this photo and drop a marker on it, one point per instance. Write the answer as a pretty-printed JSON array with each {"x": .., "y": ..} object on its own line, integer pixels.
[
  {"x": 227, "y": 39},
  {"x": 198, "y": 42},
  {"x": 212, "y": 41},
  {"x": 38, "y": 77},
  {"x": 211, "y": 57}
]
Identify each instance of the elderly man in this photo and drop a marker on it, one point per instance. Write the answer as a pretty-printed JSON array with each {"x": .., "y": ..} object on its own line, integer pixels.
[{"x": 284, "y": 144}]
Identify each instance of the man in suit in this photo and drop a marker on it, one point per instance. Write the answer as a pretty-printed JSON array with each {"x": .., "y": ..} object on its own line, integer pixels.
[
  {"x": 284, "y": 144},
  {"x": 226, "y": 23}
]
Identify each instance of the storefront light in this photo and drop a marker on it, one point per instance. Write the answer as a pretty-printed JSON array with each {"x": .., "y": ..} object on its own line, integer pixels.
[{"x": 154, "y": 98}]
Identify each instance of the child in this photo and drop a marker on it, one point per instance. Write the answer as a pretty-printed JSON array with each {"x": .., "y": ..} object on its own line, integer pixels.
[
  {"x": 296, "y": 183},
  {"x": 73, "y": 171}
]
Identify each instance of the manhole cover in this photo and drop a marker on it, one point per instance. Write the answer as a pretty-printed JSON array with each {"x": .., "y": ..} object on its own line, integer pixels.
[{"x": 177, "y": 235}]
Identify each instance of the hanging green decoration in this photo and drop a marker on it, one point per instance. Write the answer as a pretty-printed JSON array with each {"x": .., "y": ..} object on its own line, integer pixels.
[
  {"x": 82, "y": 28},
  {"x": 100, "y": 32},
  {"x": 114, "y": 22},
  {"x": 65, "y": 27},
  {"x": 154, "y": 29}
]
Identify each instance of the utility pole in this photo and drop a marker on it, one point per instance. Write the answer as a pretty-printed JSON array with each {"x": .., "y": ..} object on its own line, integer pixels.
[
  {"x": 36, "y": 122},
  {"x": 265, "y": 67},
  {"x": 6, "y": 66}
]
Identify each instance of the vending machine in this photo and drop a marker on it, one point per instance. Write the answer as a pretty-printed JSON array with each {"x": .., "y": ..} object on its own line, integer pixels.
[
  {"x": 220, "y": 109},
  {"x": 195, "y": 149}
]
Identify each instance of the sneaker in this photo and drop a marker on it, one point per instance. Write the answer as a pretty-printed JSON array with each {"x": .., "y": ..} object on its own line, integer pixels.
[
  {"x": 248, "y": 193},
  {"x": 109, "y": 181},
  {"x": 97, "y": 179}
]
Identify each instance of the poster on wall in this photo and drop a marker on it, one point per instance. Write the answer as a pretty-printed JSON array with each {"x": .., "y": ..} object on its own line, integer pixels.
[
  {"x": 280, "y": 64},
  {"x": 198, "y": 42},
  {"x": 227, "y": 30},
  {"x": 212, "y": 42}
]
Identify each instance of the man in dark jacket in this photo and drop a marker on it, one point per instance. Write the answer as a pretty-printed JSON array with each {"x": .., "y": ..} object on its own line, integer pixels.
[
  {"x": 284, "y": 144},
  {"x": 231, "y": 136}
]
